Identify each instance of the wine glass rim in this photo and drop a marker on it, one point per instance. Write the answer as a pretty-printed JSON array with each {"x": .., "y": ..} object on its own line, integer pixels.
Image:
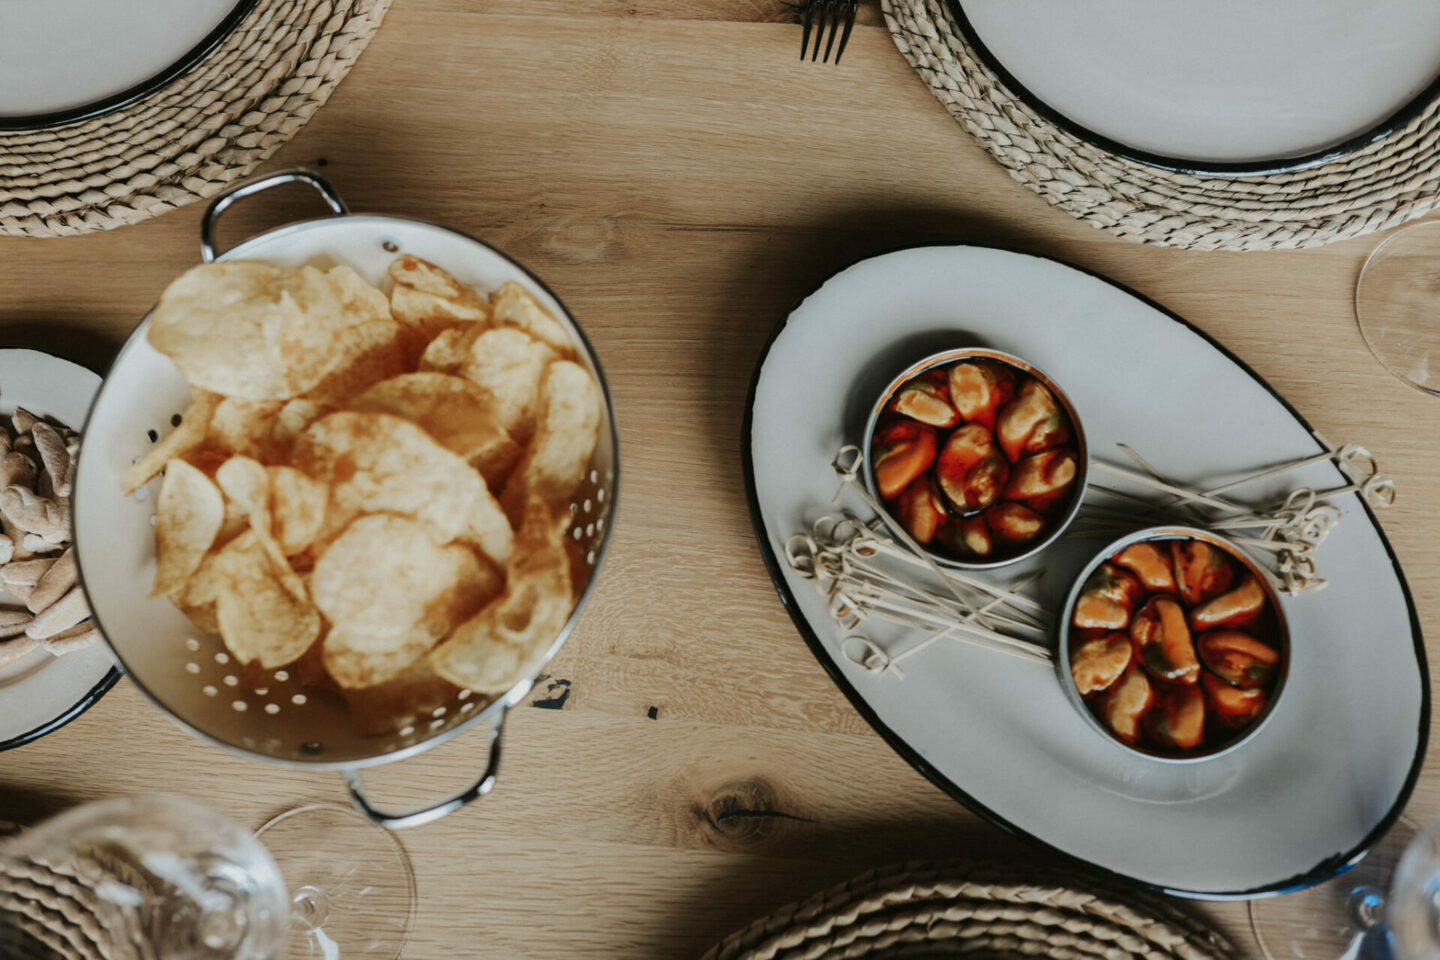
[{"x": 1407, "y": 230}]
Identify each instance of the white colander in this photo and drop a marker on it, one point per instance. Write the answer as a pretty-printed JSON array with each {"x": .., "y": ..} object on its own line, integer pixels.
[{"x": 189, "y": 673}]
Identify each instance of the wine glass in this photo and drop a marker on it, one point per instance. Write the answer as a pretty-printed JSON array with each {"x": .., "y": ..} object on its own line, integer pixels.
[
  {"x": 352, "y": 892},
  {"x": 1386, "y": 907},
  {"x": 189, "y": 884},
  {"x": 171, "y": 875},
  {"x": 1397, "y": 304},
  {"x": 1413, "y": 913}
]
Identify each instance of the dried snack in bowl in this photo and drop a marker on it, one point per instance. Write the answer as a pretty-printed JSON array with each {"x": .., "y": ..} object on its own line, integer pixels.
[
  {"x": 1210, "y": 681},
  {"x": 993, "y": 441},
  {"x": 37, "y": 564},
  {"x": 332, "y": 497}
]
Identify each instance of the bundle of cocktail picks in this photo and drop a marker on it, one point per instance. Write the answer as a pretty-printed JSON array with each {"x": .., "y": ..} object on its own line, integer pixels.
[{"x": 868, "y": 568}]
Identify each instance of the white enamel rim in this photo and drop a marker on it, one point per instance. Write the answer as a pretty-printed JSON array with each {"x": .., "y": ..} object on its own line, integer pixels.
[
  {"x": 1171, "y": 532},
  {"x": 1226, "y": 88},
  {"x": 41, "y": 693},
  {"x": 1003, "y": 764},
  {"x": 1082, "y": 476}
]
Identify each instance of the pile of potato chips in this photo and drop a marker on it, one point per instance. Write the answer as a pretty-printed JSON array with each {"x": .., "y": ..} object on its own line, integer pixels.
[{"x": 374, "y": 489}]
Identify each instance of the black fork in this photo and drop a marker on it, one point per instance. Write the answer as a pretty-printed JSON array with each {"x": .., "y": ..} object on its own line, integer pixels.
[{"x": 839, "y": 15}]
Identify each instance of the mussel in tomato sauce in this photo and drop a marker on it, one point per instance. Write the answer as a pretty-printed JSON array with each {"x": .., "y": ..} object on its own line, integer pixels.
[
  {"x": 978, "y": 388},
  {"x": 921, "y": 510},
  {"x": 1041, "y": 481},
  {"x": 966, "y": 536},
  {"x": 1150, "y": 564},
  {"x": 1162, "y": 642},
  {"x": 901, "y": 451},
  {"x": 1107, "y": 600},
  {"x": 1232, "y": 707},
  {"x": 1178, "y": 719},
  {"x": 1125, "y": 704},
  {"x": 1238, "y": 658},
  {"x": 926, "y": 398},
  {"x": 1202, "y": 570},
  {"x": 1014, "y": 524},
  {"x": 1205, "y": 649},
  {"x": 1031, "y": 423},
  {"x": 1000, "y": 447},
  {"x": 1100, "y": 662},
  {"x": 971, "y": 469},
  {"x": 1239, "y": 607}
]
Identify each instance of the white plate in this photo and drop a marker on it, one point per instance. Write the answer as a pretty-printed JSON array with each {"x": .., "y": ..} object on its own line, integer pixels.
[
  {"x": 1263, "y": 85},
  {"x": 1302, "y": 799},
  {"x": 43, "y": 693},
  {"x": 61, "y": 60}
]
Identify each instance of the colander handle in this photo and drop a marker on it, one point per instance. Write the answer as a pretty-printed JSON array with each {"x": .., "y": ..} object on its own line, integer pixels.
[
  {"x": 251, "y": 187},
  {"x": 399, "y": 821}
]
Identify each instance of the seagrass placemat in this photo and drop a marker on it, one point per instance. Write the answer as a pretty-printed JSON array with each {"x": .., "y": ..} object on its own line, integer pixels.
[
  {"x": 208, "y": 128},
  {"x": 1390, "y": 181},
  {"x": 931, "y": 910}
]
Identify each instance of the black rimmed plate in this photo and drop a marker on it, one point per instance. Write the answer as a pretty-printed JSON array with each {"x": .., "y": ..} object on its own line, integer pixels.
[
  {"x": 1226, "y": 87},
  {"x": 42, "y": 693},
  {"x": 1310, "y": 793},
  {"x": 67, "y": 60}
]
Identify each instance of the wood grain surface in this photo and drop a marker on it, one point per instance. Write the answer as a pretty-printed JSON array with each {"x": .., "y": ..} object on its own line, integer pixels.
[{"x": 679, "y": 178}]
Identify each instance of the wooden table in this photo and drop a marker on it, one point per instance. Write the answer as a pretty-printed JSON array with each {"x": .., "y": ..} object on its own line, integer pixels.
[{"x": 679, "y": 178}]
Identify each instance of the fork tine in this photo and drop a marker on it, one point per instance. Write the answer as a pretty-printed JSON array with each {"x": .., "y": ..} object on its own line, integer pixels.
[
  {"x": 824, "y": 10},
  {"x": 834, "y": 6},
  {"x": 851, "y": 6},
  {"x": 805, "y": 36}
]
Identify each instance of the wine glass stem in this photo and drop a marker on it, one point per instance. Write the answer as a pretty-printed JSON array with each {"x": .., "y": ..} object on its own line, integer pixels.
[
  {"x": 310, "y": 906},
  {"x": 1367, "y": 907}
]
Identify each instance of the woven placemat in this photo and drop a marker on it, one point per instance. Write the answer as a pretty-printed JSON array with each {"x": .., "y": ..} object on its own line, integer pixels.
[
  {"x": 1394, "y": 179},
  {"x": 205, "y": 130},
  {"x": 929, "y": 910}
]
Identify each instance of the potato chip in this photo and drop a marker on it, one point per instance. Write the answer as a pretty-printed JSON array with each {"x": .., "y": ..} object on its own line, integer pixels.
[
  {"x": 377, "y": 463},
  {"x": 297, "y": 508},
  {"x": 236, "y": 522},
  {"x": 429, "y": 300},
  {"x": 391, "y": 593},
  {"x": 556, "y": 460},
  {"x": 256, "y": 615},
  {"x": 203, "y": 616},
  {"x": 363, "y": 355},
  {"x": 294, "y": 417},
  {"x": 188, "y": 515},
  {"x": 509, "y": 363},
  {"x": 258, "y": 332},
  {"x": 244, "y": 427},
  {"x": 357, "y": 297},
  {"x": 356, "y": 440},
  {"x": 201, "y": 592},
  {"x": 246, "y": 483},
  {"x": 509, "y": 640},
  {"x": 455, "y": 412},
  {"x": 515, "y": 307},
  {"x": 178, "y": 444},
  {"x": 450, "y": 348}
]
